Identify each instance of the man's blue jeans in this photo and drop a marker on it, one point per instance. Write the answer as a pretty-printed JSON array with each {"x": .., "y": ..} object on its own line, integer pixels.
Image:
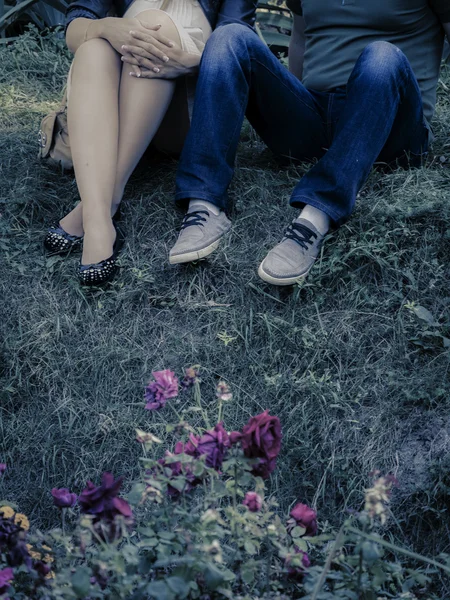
[{"x": 377, "y": 117}]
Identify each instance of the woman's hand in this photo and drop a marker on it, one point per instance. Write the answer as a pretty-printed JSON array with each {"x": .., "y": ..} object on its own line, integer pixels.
[
  {"x": 145, "y": 58},
  {"x": 118, "y": 32}
]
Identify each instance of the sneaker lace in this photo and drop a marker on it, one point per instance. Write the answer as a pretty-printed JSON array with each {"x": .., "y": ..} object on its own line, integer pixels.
[
  {"x": 301, "y": 234},
  {"x": 194, "y": 218}
]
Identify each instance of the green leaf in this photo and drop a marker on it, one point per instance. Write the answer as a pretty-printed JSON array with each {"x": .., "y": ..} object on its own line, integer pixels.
[
  {"x": 166, "y": 535},
  {"x": 179, "y": 586},
  {"x": 220, "y": 489},
  {"x": 250, "y": 547},
  {"x": 214, "y": 577},
  {"x": 160, "y": 591},
  {"x": 81, "y": 581},
  {"x": 301, "y": 544},
  {"x": 136, "y": 493},
  {"x": 248, "y": 572},
  {"x": 424, "y": 314},
  {"x": 199, "y": 468},
  {"x": 298, "y": 532},
  {"x": 179, "y": 483}
]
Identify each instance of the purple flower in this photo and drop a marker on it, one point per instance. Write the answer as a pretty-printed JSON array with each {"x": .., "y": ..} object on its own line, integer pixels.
[
  {"x": 162, "y": 389},
  {"x": 2, "y": 468},
  {"x": 253, "y": 501},
  {"x": 6, "y": 576},
  {"x": 261, "y": 438},
  {"x": 62, "y": 498},
  {"x": 213, "y": 444},
  {"x": 190, "y": 378},
  {"x": 306, "y": 517},
  {"x": 103, "y": 501}
]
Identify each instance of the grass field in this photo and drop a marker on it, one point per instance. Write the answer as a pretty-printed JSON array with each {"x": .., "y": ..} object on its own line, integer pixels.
[{"x": 357, "y": 373}]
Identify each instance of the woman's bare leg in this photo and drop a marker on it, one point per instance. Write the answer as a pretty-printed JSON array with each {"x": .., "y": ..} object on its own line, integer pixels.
[
  {"x": 143, "y": 104},
  {"x": 93, "y": 120}
]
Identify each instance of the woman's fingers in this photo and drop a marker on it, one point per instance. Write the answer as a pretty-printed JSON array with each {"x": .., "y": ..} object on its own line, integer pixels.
[
  {"x": 150, "y": 51},
  {"x": 145, "y": 63},
  {"x": 149, "y": 38}
]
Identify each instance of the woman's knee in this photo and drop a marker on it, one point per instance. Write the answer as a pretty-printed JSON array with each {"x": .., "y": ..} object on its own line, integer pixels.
[
  {"x": 96, "y": 53},
  {"x": 155, "y": 17}
]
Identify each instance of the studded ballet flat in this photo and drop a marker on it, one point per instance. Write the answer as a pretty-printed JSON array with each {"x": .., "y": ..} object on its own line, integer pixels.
[
  {"x": 58, "y": 241},
  {"x": 104, "y": 271}
]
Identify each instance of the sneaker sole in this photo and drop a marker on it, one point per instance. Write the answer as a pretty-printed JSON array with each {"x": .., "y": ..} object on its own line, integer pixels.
[
  {"x": 280, "y": 281},
  {"x": 193, "y": 256}
]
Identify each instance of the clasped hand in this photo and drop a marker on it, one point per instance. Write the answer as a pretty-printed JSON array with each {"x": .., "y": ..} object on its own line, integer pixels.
[{"x": 154, "y": 56}]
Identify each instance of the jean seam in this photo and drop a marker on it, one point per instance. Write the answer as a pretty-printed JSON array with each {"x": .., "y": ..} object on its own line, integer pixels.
[{"x": 283, "y": 84}]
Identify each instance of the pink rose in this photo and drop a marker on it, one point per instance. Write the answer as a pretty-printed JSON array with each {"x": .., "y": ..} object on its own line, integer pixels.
[
  {"x": 253, "y": 501},
  {"x": 305, "y": 517}
]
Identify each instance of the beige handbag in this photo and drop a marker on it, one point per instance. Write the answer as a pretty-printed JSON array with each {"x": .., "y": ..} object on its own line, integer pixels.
[{"x": 54, "y": 143}]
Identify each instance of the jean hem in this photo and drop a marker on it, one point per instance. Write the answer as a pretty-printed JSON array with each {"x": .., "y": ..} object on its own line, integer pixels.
[
  {"x": 299, "y": 201},
  {"x": 182, "y": 198}
]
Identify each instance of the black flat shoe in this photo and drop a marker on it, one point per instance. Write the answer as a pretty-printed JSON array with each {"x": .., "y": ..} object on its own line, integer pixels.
[
  {"x": 105, "y": 270},
  {"x": 58, "y": 241}
]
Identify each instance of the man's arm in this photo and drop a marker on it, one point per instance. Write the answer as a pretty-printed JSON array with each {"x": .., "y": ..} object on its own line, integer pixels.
[{"x": 297, "y": 47}]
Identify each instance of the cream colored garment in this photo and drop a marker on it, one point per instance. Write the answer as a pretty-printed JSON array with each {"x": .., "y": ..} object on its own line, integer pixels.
[{"x": 188, "y": 16}]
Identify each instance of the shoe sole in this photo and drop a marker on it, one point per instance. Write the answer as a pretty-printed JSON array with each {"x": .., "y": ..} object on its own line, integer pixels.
[
  {"x": 283, "y": 281},
  {"x": 193, "y": 256}
]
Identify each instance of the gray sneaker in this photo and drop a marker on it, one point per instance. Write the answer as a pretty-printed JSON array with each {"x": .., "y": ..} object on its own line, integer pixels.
[
  {"x": 199, "y": 236},
  {"x": 291, "y": 260}
]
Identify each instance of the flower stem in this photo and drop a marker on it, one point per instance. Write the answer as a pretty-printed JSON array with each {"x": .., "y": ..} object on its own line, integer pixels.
[
  {"x": 63, "y": 521},
  {"x": 339, "y": 542},
  {"x": 177, "y": 414},
  {"x": 395, "y": 548},
  {"x": 198, "y": 399}
]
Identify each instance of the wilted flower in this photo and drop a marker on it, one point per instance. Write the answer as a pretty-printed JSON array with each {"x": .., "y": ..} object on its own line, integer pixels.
[
  {"x": 378, "y": 497},
  {"x": 253, "y": 501},
  {"x": 12, "y": 541},
  {"x": 297, "y": 571},
  {"x": 261, "y": 438},
  {"x": 43, "y": 569},
  {"x": 63, "y": 498},
  {"x": 162, "y": 389},
  {"x": 6, "y": 576},
  {"x": 146, "y": 438},
  {"x": 213, "y": 444},
  {"x": 190, "y": 377},
  {"x": 223, "y": 392},
  {"x": 2, "y": 468},
  {"x": 304, "y": 516},
  {"x": 103, "y": 501}
]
